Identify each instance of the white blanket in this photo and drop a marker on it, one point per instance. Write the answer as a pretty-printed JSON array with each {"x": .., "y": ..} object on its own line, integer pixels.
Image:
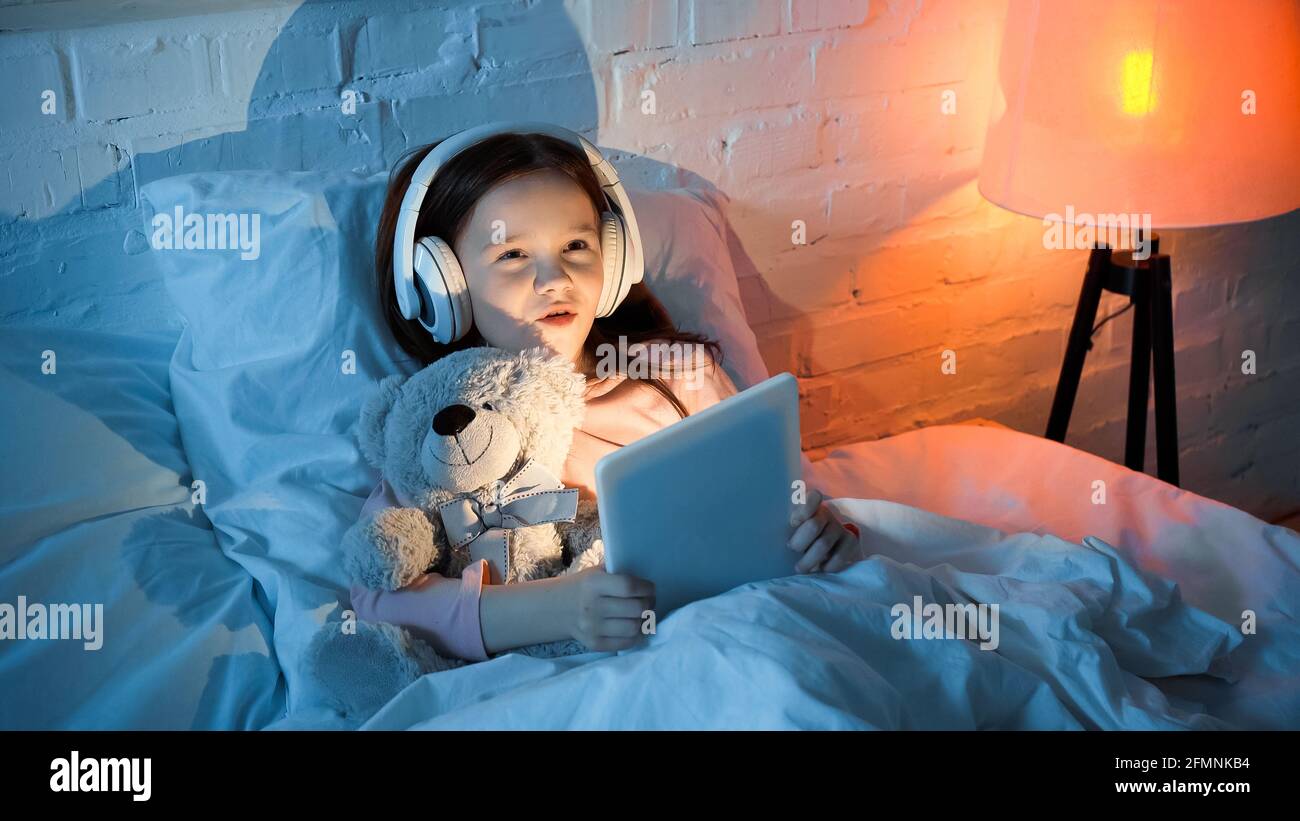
[
  {"x": 1114, "y": 613},
  {"x": 1078, "y": 629}
]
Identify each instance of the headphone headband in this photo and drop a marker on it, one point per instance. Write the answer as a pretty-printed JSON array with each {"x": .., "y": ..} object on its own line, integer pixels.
[{"x": 629, "y": 273}]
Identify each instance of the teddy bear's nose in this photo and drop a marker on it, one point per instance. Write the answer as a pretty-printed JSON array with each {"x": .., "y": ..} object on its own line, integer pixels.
[{"x": 452, "y": 419}]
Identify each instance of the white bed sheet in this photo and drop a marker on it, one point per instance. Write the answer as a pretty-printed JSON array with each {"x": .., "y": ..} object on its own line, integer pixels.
[
  {"x": 1123, "y": 615},
  {"x": 95, "y": 508}
]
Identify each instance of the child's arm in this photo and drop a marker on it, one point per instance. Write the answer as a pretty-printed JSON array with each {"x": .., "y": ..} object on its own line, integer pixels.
[
  {"x": 601, "y": 610},
  {"x": 443, "y": 612},
  {"x": 469, "y": 619},
  {"x": 532, "y": 612}
]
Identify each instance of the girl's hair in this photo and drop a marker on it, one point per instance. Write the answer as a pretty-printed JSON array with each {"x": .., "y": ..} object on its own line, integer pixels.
[{"x": 457, "y": 187}]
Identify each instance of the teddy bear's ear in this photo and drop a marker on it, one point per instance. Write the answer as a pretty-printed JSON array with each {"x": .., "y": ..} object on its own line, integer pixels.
[{"x": 374, "y": 415}]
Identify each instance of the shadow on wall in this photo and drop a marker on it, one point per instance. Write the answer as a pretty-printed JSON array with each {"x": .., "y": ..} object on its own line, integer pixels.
[
  {"x": 87, "y": 266},
  {"x": 83, "y": 262},
  {"x": 337, "y": 89}
]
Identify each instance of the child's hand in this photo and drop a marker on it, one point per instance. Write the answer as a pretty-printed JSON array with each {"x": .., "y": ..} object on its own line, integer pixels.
[
  {"x": 607, "y": 609},
  {"x": 827, "y": 546}
]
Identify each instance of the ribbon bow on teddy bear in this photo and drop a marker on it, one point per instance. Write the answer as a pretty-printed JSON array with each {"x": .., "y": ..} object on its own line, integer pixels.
[{"x": 532, "y": 496}]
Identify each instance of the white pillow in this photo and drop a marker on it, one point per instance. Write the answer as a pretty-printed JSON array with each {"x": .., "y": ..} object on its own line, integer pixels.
[
  {"x": 259, "y": 376},
  {"x": 689, "y": 268}
]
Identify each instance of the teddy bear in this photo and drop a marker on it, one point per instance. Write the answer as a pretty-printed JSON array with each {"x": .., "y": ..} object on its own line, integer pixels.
[{"x": 475, "y": 442}]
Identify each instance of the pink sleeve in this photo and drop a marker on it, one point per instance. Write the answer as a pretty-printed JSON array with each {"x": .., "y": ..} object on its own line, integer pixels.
[{"x": 441, "y": 611}]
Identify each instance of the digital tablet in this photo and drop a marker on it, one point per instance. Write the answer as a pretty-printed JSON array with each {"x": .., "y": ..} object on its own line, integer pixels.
[{"x": 704, "y": 504}]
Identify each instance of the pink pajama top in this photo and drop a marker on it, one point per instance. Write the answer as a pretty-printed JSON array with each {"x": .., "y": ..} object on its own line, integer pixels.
[{"x": 445, "y": 611}]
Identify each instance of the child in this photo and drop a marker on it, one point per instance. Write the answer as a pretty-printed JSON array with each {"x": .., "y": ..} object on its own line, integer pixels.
[{"x": 545, "y": 191}]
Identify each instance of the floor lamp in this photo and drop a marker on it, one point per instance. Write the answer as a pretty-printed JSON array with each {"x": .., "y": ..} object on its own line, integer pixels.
[{"x": 1116, "y": 117}]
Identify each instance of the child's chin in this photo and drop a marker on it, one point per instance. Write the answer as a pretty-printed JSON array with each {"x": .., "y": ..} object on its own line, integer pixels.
[
  {"x": 558, "y": 345},
  {"x": 567, "y": 340}
]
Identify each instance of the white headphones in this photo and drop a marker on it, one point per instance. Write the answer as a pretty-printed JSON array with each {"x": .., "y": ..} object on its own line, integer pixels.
[{"x": 428, "y": 278}]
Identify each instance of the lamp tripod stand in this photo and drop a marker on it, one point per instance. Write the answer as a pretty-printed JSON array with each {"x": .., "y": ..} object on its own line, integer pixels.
[{"x": 1148, "y": 285}]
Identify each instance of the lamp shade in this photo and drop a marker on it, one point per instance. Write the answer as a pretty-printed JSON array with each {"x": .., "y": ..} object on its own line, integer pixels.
[{"x": 1184, "y": 110}]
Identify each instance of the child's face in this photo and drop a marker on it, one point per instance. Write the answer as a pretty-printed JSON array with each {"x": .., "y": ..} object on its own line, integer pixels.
[{"x": 531, "y": 247}]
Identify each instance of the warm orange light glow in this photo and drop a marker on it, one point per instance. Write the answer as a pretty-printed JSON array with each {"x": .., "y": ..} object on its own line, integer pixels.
[
  {"x": 1138, "y": 94},
  {"x": 1185, "y": 110}
]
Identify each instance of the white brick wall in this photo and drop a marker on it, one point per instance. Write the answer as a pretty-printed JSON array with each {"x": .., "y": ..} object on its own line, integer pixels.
[{"x": 825, "y": 111}]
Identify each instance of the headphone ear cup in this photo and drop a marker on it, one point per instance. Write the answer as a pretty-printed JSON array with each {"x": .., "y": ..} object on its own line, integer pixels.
[
  {"x": 613, "y": 250},
  {"x": 445, "y": 308}
]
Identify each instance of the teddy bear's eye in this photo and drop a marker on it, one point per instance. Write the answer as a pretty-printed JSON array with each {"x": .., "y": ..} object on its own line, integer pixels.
[{"x": 488, "y": 406}]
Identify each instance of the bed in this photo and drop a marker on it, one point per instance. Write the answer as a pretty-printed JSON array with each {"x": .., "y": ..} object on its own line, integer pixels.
[{"x": 196, "y": 481}]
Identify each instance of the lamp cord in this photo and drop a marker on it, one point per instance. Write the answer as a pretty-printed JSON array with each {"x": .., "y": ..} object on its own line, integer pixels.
[{"x": 1106, "y": 319}]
